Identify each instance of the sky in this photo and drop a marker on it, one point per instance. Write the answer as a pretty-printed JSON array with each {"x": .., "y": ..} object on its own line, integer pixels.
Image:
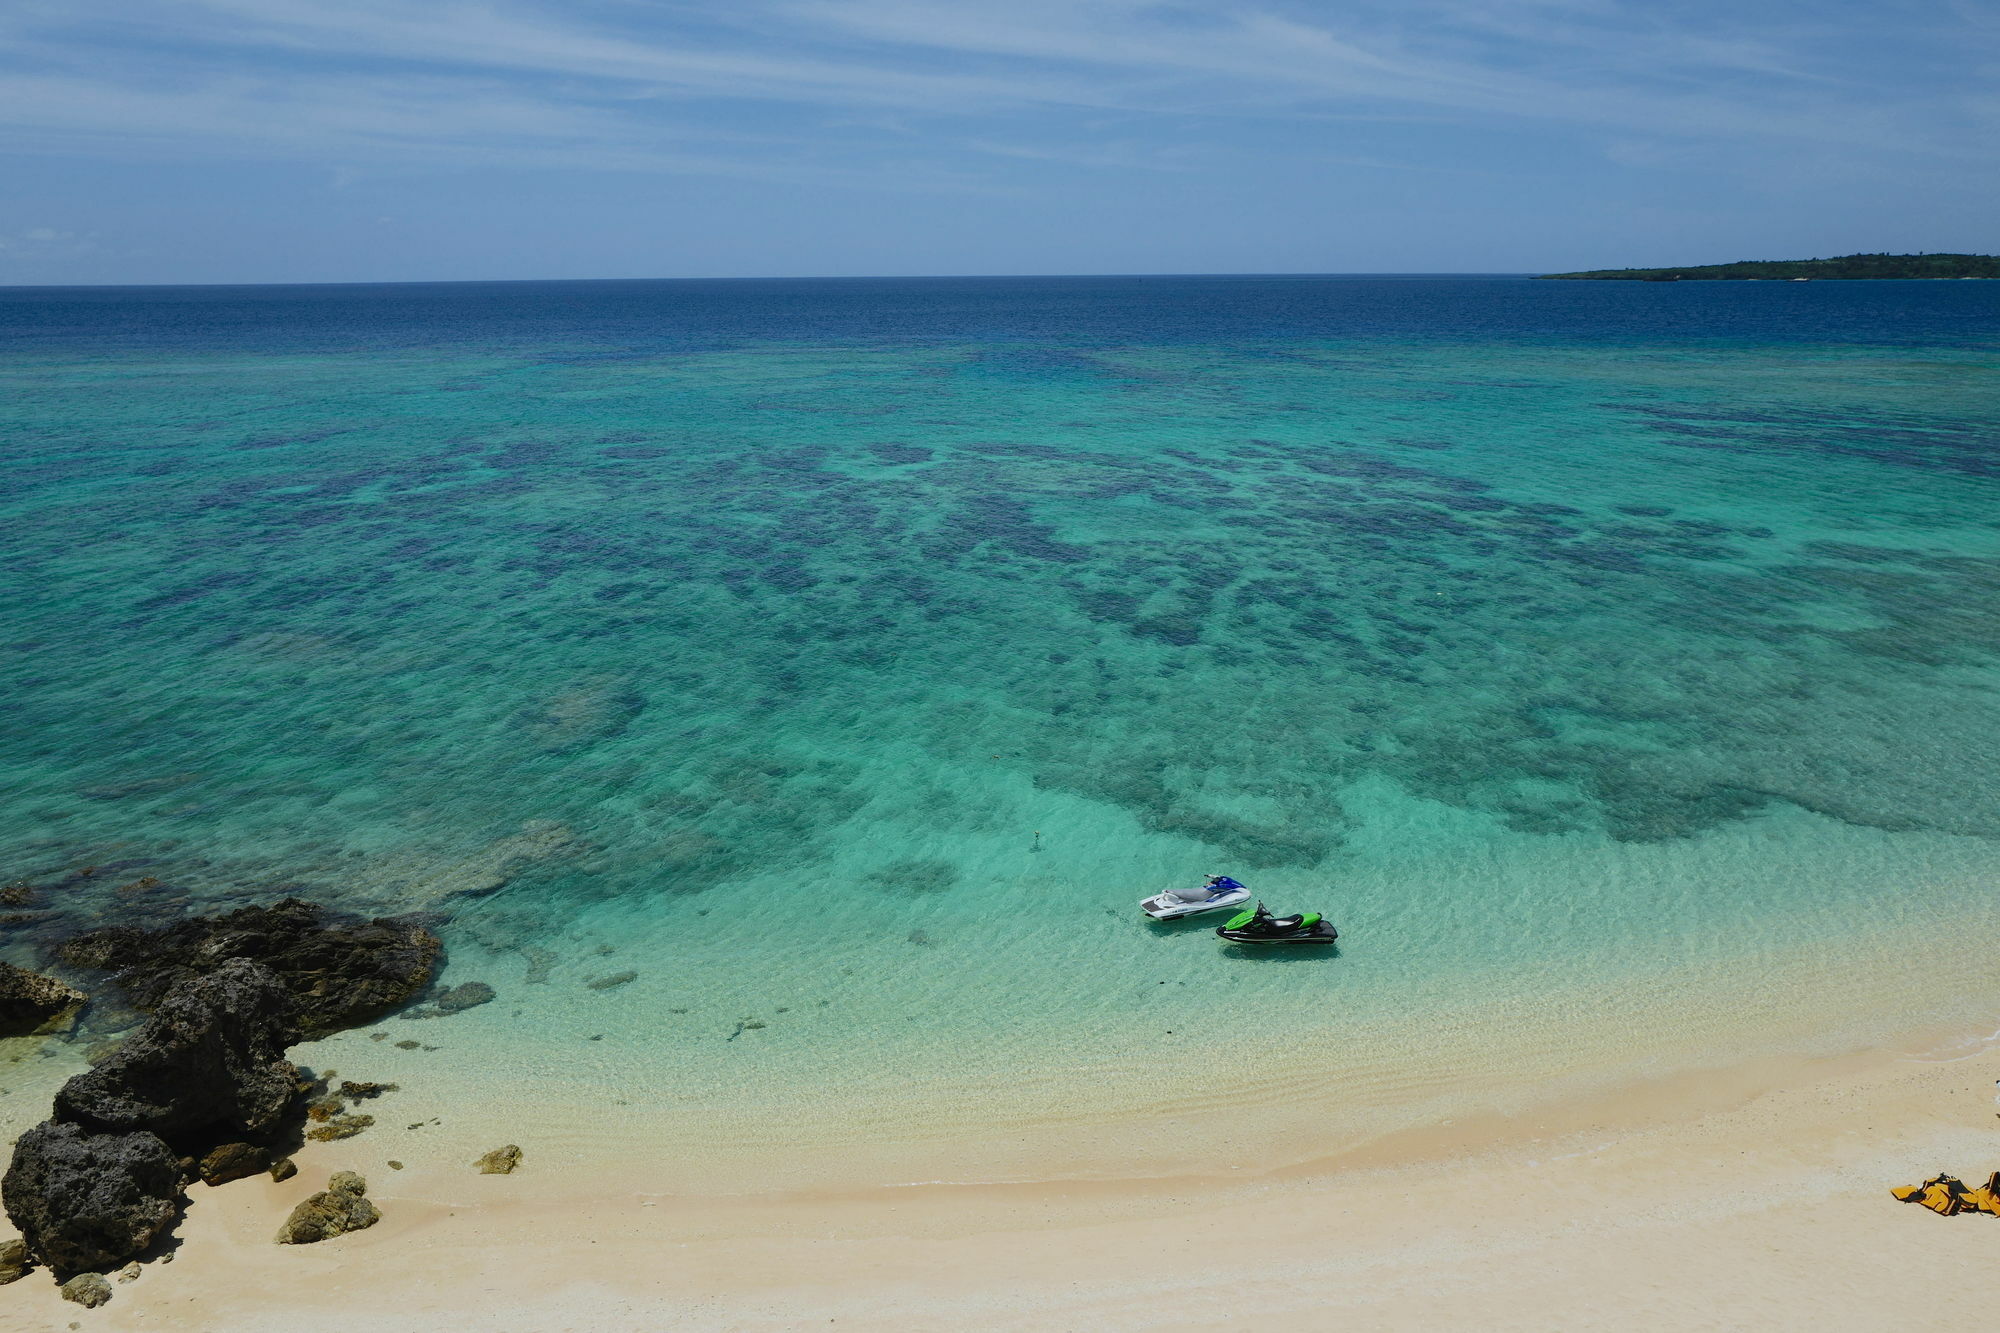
[{"x": 183, "y": 141}]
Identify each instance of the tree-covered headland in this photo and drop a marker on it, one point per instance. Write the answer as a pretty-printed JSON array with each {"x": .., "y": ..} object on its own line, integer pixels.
[{"x": 1846, "y": 266}]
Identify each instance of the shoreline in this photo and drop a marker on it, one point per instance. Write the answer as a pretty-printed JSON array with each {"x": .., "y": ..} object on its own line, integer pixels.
[{"x": 1769, "y": 1178}]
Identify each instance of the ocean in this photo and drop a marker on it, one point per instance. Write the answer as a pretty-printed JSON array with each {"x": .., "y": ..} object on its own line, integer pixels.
[{"x": 1614, "y": 663}]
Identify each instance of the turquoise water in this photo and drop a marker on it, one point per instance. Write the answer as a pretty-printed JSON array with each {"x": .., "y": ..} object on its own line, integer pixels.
[{"x": 866, "y": 651}]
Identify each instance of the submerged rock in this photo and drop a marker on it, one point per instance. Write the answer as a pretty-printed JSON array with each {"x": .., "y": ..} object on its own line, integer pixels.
[
  {"x": 87, "y": 1201},
  {"x": 339, "y": 1208},
  {"x": 340, "y": 972},
  {"x": 87, "y": 1289},
  {"x": 210, "y": 1060},
  {"x": 500, "y": 1162},
  {"x": 467, "y": 996},
  {"x": 615, "y": 979},
  {"x": 363, "y": 1091},
  {"x": 32, "y": 1004},
  {"x": 234, "y": 1161},
  {"x": 340, "y": 1127},
  {"x": 585, "y": 711}
]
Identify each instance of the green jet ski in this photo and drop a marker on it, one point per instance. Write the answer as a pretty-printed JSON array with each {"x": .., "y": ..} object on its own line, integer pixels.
[{"x": 1258, "y": 926}]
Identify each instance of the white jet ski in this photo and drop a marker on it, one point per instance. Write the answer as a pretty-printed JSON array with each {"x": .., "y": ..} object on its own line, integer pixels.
[{"x": 1219, "y": 892}]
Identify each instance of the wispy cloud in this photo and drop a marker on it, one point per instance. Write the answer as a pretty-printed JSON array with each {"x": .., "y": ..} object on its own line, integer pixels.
[{"x": 818, "y": 86}]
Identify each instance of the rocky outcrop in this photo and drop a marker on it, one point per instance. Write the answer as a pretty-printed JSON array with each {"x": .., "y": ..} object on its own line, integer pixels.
[
  {"x": 210, "y": 1062},
  {"x": 340, "y": 972},
  {"x": 31, "y": 1003},
  {"x": 500, "y": 1162},
  {"x": 85, "y": 1201},
  {"x": 339, "y": 1208},
  {"x": 203, "y": 1087}
]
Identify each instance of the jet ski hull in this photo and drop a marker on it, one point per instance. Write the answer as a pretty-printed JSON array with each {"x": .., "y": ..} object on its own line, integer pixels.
[
  {"x": 1320, "y": 933},
  {"x": 1165, "y": 907}
]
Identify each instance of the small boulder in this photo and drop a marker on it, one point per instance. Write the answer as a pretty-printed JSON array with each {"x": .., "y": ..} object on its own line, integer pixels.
[
  {"x": 89, "y": 1290},
  {"x": 339, "y": 1208},
  {"x": 500, "y": 1162},
  {"x": 86, "y": 1202},
  {"x": 129, "y": 1273},
  {"x": 234, "y": 1161},
  {"x": 284, "y": 1169},
  {"x": 615, "y": 979},
  {"x": 32, "y": 1004},
  {"x": 14, "y": 1261},
  {"x": 470, "y": 995}
]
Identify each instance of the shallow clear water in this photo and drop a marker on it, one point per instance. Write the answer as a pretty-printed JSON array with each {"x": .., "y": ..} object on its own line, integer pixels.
[{"x": 864, "y": 650}]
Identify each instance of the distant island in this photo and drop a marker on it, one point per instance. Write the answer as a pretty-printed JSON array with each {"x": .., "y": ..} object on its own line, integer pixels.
[{"x": 1846, "y": 266}]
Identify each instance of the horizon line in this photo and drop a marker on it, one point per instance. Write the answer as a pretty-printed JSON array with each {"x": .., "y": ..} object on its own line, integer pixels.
[{"x": 799, "y": 277}]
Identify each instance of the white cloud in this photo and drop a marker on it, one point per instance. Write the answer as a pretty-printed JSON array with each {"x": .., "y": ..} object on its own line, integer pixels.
[{"x": 686, "y": 87}]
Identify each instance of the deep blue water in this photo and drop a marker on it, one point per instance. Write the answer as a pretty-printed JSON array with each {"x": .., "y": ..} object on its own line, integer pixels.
[{"x": 700, "y": 315}]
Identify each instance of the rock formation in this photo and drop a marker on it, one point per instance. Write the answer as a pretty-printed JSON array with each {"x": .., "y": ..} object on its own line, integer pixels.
[
  {"x": 209, "y": 1062},
  {"x": 203, "y": 1087},
  {"x": 85, "y": 1201},
  {"x": 340, "y": 972},
  {"x": 339, "y": 1208},
  {"x": 32, "y": 1003}
]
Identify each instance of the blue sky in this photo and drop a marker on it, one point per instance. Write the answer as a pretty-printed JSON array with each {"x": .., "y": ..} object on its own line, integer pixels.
[{"x": 335, "y": 140}]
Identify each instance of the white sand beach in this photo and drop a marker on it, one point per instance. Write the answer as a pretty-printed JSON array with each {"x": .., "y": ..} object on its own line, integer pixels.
[{"x": 1751, "y": 1197}]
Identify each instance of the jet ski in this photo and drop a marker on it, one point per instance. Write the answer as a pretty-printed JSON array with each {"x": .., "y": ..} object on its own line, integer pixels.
[
  {"x": 1258, "y": 926},
  {"x": 1220, "y": 891}
]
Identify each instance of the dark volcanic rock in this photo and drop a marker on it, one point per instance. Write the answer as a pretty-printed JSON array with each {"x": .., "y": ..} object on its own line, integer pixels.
[
  {"x": 339, "y": 1208},
  {"x": 210, "y": 1060},
  {"x": 234, "y": 1161},
  {"x": 340, "y": 971},
  {"x": 87, "y": 1202},
  {"x": 30, "y": 1002}
]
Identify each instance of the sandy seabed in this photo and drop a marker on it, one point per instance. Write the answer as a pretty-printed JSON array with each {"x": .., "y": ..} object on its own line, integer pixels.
[{"x": 1755, "y": 1196}]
